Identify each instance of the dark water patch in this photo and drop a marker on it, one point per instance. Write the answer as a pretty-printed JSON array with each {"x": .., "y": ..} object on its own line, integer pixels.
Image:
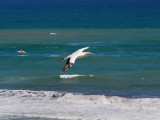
[{"x": 76, "y": 14}]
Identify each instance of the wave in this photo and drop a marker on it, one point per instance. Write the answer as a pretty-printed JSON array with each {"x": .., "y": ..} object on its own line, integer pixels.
[
  {"x": 64, "y": 96},
  {"x": 30, "y": 55},
  {"x": 86, "y": 43},
  {"x": 23, "y": 55},
  {"x": 52, "y": 33},
  {"x": 74, "y": 76},
  {"x": 51, "y": 55},
  {"x": 61, "y": 105}
]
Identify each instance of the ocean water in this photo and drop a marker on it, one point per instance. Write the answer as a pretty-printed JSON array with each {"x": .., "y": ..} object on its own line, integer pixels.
[
  {"x": 126, "y": 62},
  {"x": 121, "y": 81},
  {"x": 123, "y": 73},
  {"x": 93, "y": 14}
]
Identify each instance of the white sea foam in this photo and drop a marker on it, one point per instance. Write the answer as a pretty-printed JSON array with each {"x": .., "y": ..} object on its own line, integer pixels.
[
  {"x": 50, "y": 104},
  {"x": 23, "y": 55},
  {"x": 82, "y": 43},
  {"x": 45, "y": 55},
  {"x": 73, "y": 76},
  {"x": 75, "y": 44},
  {"x": 53, "y": 55},
  {"x": 52, "y": 33}
]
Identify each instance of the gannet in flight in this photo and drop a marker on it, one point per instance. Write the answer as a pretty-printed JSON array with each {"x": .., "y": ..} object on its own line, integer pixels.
[
  {"x": 71, "y": 58},
  {"x": 21, "y": 52}
]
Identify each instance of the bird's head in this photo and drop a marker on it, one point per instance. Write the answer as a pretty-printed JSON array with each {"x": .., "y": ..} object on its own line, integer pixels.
[{"x": 88, "y": 53}]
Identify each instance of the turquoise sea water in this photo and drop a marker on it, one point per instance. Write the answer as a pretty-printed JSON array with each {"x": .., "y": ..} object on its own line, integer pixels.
[{"x": 126, "y": 61}]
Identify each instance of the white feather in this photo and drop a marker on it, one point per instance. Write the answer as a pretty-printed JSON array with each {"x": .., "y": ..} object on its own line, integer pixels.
[{"x": 75, "y": 55}]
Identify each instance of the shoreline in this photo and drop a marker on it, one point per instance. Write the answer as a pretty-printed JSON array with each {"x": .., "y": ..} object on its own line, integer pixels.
[{"x": 50, "y": 104}]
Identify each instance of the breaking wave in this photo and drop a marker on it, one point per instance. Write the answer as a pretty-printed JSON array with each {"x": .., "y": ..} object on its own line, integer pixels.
[
  {"x": 61, "y": 105},
  {"x": 74, "y": 76}
]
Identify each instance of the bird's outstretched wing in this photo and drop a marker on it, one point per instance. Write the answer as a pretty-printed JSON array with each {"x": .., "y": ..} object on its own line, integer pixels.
[
  {"x": 66, "y": 67},
  {"x": 78, "y": 52},
  {"x": 25, "y": 52},
  {"x": 69, "y": 64},
  {"x": 75, "y": 53},
  {"x": 82, "y": 49}
]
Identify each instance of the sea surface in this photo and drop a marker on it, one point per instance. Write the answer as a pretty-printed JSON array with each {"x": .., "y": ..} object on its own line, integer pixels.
[
  {"x": 126, "y": 62},
  {"x": 121, "y": 81},
  {"x": 93, "y": 14}
]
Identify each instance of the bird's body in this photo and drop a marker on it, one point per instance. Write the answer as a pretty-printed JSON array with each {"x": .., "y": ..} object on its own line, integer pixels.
[
  {"x": 21, "y": 52},
  {"x": 71, "y": 58}
]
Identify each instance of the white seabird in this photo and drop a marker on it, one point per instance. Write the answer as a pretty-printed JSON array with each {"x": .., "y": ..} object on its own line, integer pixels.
[
  {"x": 21, "y": 52},
  {"x": 71, "y": 58}
]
